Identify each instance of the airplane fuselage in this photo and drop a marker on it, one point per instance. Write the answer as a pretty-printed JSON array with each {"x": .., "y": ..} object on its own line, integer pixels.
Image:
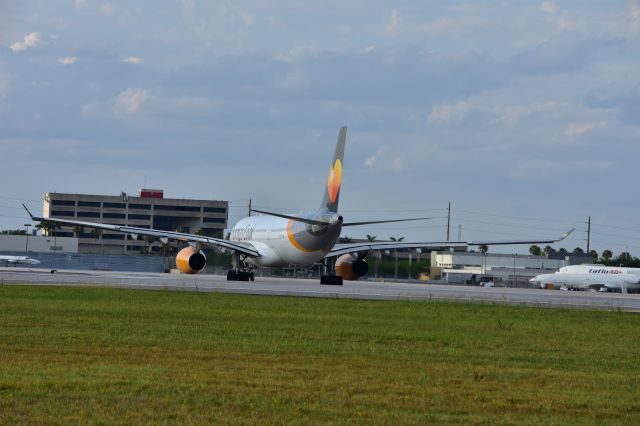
[
  {"x": 284, "y": 241},
  {"x": 599, "y": 270},
  {"x": 18, "y": 260},
  {"x": 588, "y": 281}
]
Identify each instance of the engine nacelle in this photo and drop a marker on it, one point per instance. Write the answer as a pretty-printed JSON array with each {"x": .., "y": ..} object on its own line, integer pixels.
[
  {"x": 190, "y": 261},
  {"x": 351, "y": 268}
]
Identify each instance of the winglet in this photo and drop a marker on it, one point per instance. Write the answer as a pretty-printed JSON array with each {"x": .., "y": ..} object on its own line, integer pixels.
[
  {"x": 25, "y": 207},
  {"x": 566, "y": 234}
]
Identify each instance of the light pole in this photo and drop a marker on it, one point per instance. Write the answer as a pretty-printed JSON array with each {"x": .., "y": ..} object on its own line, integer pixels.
[{"x": 26, "y": 233}]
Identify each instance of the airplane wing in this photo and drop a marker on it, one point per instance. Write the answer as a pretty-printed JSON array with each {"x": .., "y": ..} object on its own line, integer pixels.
[
  {"x": 239, "y": 246},
  {"x": 363, "y": 248}
]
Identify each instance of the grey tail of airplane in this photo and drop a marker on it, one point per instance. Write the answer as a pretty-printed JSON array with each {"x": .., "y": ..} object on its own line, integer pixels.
[{"x": 334, "y": 181}]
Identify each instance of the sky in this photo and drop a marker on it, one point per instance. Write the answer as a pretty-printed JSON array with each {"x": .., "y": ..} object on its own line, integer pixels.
[{"x": 524, "y": 115}]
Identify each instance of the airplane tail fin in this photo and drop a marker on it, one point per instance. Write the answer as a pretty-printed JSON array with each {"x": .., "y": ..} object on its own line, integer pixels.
[{"x": 332, "y": 191}]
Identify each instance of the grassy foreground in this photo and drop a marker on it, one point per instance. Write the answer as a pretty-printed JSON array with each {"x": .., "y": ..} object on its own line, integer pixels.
[{"x": 80, "y": 355}]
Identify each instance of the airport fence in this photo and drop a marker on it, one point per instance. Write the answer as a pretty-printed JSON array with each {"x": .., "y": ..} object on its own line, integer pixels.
[{"x": 96, "y": 262}]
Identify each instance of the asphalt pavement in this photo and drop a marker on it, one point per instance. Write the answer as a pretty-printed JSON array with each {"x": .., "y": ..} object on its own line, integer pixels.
[{"x": 367, "y": 290}]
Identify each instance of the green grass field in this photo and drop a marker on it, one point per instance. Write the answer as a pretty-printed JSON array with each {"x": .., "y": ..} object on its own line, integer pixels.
[{"x": 81, "y": 355}]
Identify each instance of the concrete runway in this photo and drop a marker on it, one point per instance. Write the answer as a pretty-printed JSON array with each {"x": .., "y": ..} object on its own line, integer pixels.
[{"x": 311, "y": 288}]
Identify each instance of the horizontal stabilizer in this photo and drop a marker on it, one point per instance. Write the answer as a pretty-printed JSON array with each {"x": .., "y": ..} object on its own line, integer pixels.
[
  {"x": 297, "y": 219},
  {"x": 384, "y": 221}
]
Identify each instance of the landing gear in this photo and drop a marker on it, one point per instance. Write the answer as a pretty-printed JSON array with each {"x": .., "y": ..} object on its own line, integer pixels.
[
  {"x": 330, "y": 280},
  {"x": 239, "y": 274},
  {"x": 234, "y": 275},
  {"x": 326, "y": 278}
]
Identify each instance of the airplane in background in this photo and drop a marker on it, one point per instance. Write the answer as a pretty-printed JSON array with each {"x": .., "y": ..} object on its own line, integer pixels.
[
  {"x": 275, "y": 239},
  {"x": 598, "y": 269},
  {"x": 591, "y": 277},
  {"x": 18, "y": 260}
]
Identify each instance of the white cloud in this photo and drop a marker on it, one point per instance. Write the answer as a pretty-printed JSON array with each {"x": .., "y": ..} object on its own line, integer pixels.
[
  {"x": 132, "y": 60},
  {"x": 382, "y": 160},
  {"x": 634, "y": 10},
  {"x": 549, "y": 6},
  {"x": 129, "y": 101},
  {"x": 634, "y": 14},
  {"x": 30, "y": 40},
  {"x": 551, "y": 9},
  {"x": 115, "y": 12},
  {"x": 108, "y": 9},
  {"x": 189, "y": 5},
  {"x": 579, "y": 129},
  {"x": 373, "y": 159},
  {"x": 247, "y": 18},
  {"x": 68, "y": 60},
  {"x": 394, "y": 23},
  {"x": 449, "y": 112},
  {"x": 91, "y": 109},
  {"x": 512, "y": 114}
]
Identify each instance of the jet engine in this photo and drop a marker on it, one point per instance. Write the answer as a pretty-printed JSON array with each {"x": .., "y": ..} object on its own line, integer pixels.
[
  {"x": 351, "y": 268},
  {"x": 190, "y": 261}
]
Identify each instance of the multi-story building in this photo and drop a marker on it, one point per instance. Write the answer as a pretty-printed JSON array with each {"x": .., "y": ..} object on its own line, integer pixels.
[{"x": 148, "y": 210}]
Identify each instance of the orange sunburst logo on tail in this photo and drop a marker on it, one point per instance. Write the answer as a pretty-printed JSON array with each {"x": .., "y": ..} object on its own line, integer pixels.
[{"x": 335, "y": 178}]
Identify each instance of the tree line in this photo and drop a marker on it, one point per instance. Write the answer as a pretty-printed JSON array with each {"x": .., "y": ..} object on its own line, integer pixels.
[{"x": 605, "y": 258}]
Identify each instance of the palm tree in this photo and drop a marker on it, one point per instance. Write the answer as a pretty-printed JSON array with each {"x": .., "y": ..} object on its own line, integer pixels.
[
  {"x": 624, "y": 259},
  {"x": 148, "y": 240},
  {"x": 78, "y": 229},
  {"x": 372, "y": 238},
  {"x": 97, "y": 233},
  {"x": 483, "y": 248},
  {"x": 578, "y": 250},
  {"x": 396, "y": 253},
  {"x": 594, "y": 255},
  {"x": 607, "y": 255},
  {"x": 535, "y": 250},
  {"x": 164, "y": 245},
  {"x": 562, "y": 250},
  {"x": 345, "y": 240},
  {"x": 48, "y": 228},
  {"x": 45, "y": 226},
  {"x": 200, "y": 231},
  {"x": 548, "y": 250}
]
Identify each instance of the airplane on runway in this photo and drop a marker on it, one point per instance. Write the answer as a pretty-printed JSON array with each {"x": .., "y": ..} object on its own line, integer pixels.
[
  {"x": 599, "y": 269},
  {"x": 589, "y": 277},
  {"x": 275, "y": 239},
  {"x": 18, "y": 260}
]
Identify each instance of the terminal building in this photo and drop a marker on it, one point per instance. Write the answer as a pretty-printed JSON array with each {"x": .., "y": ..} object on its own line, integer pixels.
[{"x": 147, "y": 210}]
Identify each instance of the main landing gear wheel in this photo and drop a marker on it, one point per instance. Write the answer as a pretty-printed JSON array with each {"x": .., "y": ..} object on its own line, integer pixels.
[
  {"x": 238, "y": 274},
  {"x": 234, "y": 275},
  {"x": 330, "y": 280}
]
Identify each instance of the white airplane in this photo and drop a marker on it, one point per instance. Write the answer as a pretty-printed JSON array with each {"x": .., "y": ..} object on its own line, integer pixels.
[
  {"x": 275, "y": 239},
  {"x": 589, "y": 277},
  {"x": 598, "y": 269},
  {"x": 18, "y": 260}
]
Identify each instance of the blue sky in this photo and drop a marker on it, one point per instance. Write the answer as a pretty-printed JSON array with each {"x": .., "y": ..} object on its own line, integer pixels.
[{"x": 525, "y": 115}]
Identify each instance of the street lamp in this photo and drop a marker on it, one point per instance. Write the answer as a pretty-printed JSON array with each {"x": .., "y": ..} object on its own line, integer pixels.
[{"x": 26, "y": 233}]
